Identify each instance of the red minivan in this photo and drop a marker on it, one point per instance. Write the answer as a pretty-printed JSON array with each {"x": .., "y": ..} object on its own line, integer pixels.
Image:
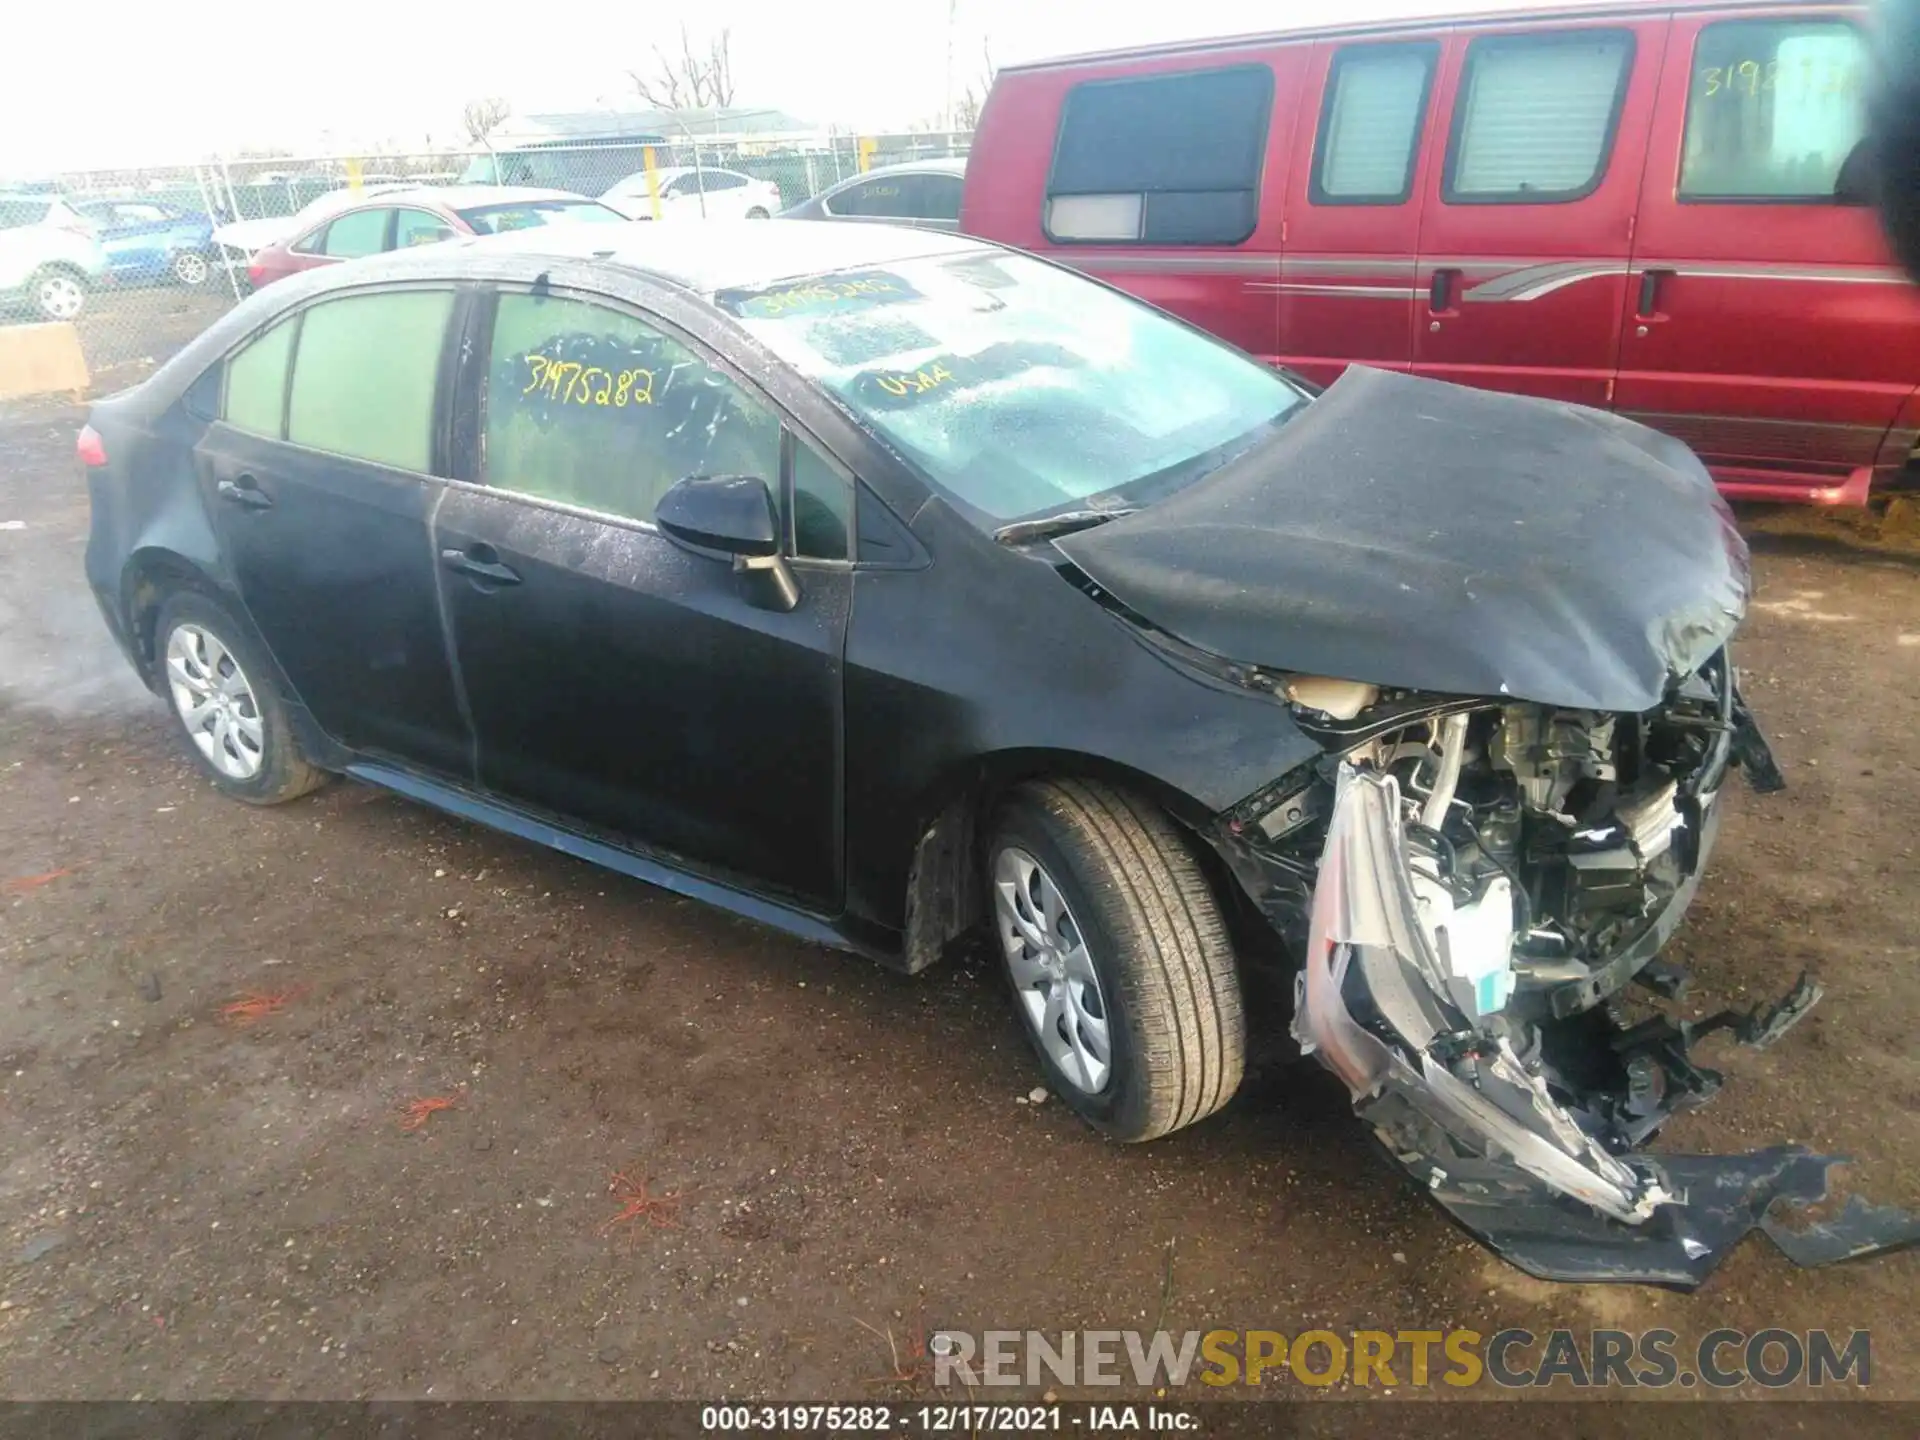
[{"x": 1657, "y": 210}]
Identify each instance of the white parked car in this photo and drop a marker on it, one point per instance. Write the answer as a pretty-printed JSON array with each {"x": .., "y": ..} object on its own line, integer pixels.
[
  {"x": 689, "y": 194},
  {"x": 48, "y": 256}
]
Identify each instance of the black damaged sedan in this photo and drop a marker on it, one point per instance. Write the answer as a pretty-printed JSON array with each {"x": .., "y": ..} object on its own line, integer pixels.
[{"x": 883, "y": 586}]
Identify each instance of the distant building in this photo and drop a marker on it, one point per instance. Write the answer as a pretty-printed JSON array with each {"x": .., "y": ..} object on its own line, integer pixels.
[{"x": 587, "y": 126}]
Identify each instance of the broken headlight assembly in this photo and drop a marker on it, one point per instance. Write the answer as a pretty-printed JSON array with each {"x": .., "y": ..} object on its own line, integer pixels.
[{"x": 1490, "y": 876}]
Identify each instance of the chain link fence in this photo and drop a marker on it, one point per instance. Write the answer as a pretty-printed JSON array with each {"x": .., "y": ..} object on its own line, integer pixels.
[{"x": 139, "y": 261}]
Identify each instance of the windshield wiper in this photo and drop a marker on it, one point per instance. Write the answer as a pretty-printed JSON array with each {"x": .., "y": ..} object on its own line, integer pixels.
[{"x": 1065, "y": 523}]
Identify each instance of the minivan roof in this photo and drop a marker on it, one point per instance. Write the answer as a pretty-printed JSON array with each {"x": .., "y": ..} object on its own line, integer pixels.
[{"x": 1582, "y": 10}]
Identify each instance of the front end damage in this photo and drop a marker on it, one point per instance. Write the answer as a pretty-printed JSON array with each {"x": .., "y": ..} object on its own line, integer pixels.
[{"x": 1478, "y": 881}]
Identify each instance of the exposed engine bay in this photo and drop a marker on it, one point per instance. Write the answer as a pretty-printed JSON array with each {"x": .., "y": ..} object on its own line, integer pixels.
[{"x": 1478, "y": 882}]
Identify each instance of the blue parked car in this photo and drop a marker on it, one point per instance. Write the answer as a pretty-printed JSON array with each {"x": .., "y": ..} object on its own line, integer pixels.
[{"x": 149, "y": 240}]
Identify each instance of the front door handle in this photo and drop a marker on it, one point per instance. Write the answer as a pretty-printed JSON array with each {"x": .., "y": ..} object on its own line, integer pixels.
[
  {"x": 244, "y": 490},
  {"x": 1440, "y": 297},
  {"x": 1650, "y": 292},
  {"x": 480, "y": 563}
]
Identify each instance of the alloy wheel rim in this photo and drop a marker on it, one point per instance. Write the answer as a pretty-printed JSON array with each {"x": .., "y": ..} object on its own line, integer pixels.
[
  {"x": 60, "y": 297},
  {"x": 1053, "y": 975},
  {"x": 190, "y": 269},
  {"x": 215, "y": 702}
]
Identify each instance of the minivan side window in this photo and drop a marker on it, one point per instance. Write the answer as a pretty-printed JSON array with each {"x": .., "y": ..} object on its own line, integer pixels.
[
  {"x": 591, "y": 407},
  {"x": 1370, "y": 124},
  {"x": 1536, "y": 116},
  {"x": 365, "y": 369},
  {"x": 1161, "y": 160},
  {"x": 256, "y": 396},
  {"x": 1775, "y": 108}
]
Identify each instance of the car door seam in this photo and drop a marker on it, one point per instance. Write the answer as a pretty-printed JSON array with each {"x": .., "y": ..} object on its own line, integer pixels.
[{"x": 448, "y": 638}]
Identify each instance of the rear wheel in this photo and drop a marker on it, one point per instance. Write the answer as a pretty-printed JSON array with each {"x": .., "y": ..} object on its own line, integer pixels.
[
  {"x": 190, "y": 267},
  {"x": 58, "y": 293},
  {"x": 1118, "y": 957},
  {"x": 230, "y": 713},
  {"x": 758, "y": 212}
]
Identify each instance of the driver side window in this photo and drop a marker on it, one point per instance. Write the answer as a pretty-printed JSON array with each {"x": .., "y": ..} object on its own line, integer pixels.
[{"x": 588, "y": 406}]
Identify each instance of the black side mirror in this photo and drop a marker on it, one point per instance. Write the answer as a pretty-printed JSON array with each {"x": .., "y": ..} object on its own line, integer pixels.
[{"x": 733, "y": 515}]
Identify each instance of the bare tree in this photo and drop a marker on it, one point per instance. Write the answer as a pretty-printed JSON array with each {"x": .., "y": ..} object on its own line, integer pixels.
[
  {"x": 966, "y": 110},
  {"x": 482, "y": 117},
  {"x": 694, "y": 79}
]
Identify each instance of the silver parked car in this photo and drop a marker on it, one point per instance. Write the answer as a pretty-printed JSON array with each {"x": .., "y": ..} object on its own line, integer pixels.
[{"x": 921, "y": 192}]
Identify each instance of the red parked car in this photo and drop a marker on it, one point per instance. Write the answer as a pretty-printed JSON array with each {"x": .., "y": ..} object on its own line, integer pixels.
[
  {"x": 366, "y": 222},
  {"x": 1658, "y": 211}
]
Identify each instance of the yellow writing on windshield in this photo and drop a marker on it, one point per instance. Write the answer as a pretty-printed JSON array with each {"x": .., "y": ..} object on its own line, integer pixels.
[
  {"x": 917, "y": 382},
  {"x": 572, "y": 383},
  {"x": 823, "y": 292}
]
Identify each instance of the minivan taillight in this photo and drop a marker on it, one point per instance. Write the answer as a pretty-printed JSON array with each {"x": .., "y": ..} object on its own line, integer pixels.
[{"x": 91, "y": 448}]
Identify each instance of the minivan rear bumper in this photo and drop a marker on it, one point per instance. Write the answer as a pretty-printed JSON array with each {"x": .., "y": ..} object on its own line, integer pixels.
[{"x": 1769, "y": 485}]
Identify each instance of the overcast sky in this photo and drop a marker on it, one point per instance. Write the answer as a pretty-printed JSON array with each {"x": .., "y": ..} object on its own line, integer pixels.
[{"x": 142, "y": 82}]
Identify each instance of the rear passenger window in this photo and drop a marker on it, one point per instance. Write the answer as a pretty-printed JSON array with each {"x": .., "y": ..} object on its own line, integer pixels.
[
  {"x": 363, "y": 232},
  {"x": 940, "y": 197},
  {"x": 591, "y": 407},
  {"x": 364, "y": 376},
  {"x": 1535, "y": 120},
  {"x": 256, "y": 397},
  {"x": 1370, "y": 124},
  {"x": 1775, "y": 109},
  {"x": 882, "y": 196},
  {"x": 1163, "y": 160}
]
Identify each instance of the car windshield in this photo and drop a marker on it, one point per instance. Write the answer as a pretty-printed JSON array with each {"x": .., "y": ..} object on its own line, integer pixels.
[
  {"x": 1019, "y": 389},
  {"x": 530, "y": 214}
]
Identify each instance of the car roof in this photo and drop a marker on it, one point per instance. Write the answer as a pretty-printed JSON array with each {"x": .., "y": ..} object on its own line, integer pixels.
[
  {"x": 937, "y": 165},
  {"x": 664, "y": 173},
  {"x": 444, "y": 197},
  {"x": 719, "y": 255},
  {"x": 463, "y": 197}
]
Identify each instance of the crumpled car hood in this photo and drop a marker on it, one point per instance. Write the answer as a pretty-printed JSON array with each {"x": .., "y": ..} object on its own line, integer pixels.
[{"x": 1427, "y": 536}]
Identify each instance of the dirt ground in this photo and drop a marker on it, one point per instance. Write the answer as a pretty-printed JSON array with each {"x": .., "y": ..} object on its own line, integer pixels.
[{"x": 199, "y": 1202}]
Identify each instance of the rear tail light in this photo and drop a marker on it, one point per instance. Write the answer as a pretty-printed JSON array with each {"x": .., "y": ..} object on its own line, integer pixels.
[
  {"x": 91, "y": 448},
  {"x": 256, "y": 274}
]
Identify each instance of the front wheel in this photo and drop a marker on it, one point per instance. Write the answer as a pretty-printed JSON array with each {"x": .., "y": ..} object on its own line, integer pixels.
[
  {"x": 1118, "y": 957},
  {"x": 758, "y": 212},
  {"x": 230, "y": 713}
]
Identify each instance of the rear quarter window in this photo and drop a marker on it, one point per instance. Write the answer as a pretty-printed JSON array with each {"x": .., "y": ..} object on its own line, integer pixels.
[{"x": 1162, "y": 159}]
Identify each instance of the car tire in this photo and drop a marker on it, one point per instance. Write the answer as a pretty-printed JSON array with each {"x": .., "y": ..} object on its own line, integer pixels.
[
  {"x": 758, "y": 212},
  {"x": 58, "y": 293},
  {"x": 227, "y": 705},
  {"x": 190, "y": 268},
  {"x": 1107, "y": 927}
]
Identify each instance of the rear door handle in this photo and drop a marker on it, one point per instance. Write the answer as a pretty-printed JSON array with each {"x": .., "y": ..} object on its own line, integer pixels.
[
  {"x": 1650, "y": 292},
  {"x": 481, "y": 563},
  {"x": 244, "y": 490},
  {"x": 1440, "y": 298}
]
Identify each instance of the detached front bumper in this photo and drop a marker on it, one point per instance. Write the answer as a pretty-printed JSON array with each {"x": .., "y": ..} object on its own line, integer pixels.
[{"x": 1544, "y": 1175}]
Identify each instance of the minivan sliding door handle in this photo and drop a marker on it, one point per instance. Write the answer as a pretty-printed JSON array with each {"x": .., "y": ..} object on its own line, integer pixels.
[{"x": 1650, "y": 292}]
